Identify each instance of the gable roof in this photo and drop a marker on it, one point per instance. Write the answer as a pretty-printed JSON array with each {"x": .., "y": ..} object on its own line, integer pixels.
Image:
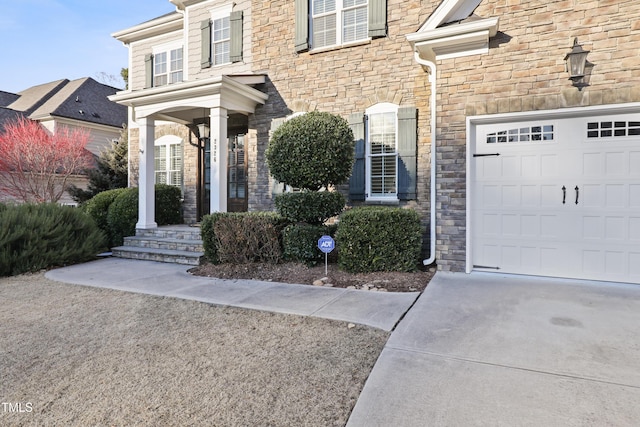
[
  {"x": 452, "y": 31},
  {"x": 85, "y": 100},
  {"x": 82, "y": 99}
]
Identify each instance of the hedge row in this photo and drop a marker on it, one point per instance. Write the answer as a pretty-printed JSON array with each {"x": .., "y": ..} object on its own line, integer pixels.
[
  {"x": 368, "y": 239},
  {"x": 35, "y": 237},
  {"x": 116, "y": 211}
]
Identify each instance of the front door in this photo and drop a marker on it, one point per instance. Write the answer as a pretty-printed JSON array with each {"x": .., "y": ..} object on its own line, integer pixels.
[{"x": 237, "y": 174}]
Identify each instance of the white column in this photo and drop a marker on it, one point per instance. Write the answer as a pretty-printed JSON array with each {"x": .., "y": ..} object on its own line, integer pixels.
[
  {"x": 218, "y": 159},
  {"x": 146, "y": 175}
]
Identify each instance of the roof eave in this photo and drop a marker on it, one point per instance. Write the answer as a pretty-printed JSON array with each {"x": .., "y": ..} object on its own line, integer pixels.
[{"x": 162, "y": 25}]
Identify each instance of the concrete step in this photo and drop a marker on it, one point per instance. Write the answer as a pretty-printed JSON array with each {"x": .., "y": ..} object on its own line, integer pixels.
[
  {"x": 176, "y": 244},
  {"x": 171, "y": 232},
  {"x": 161, "y": 255}
]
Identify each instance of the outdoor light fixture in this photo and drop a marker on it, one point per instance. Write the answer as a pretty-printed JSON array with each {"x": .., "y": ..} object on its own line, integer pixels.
[
  {"x": 577, "y": 65},
  {"x": 200, "y": 128}
]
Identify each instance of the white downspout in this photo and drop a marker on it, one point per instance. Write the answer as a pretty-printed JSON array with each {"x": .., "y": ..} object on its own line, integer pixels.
[{"x": 432, "y": 197}]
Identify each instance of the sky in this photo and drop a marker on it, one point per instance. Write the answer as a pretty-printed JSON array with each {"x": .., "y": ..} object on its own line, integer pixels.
[{"x": 46, "y": 40}]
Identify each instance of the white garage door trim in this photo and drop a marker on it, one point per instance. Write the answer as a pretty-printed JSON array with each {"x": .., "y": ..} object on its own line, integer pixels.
[{"x": 546, "y": 116}]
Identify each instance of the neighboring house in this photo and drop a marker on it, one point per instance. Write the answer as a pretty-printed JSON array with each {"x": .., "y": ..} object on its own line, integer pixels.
[
  {"x": 80, "y": 103},
  {"x": 517, "y": 143}
]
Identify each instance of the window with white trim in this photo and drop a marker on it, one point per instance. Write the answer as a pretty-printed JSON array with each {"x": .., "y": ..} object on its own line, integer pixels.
[
  {"x": 167, "y": 65},
  {"x": 221, "y": 39},
  {"x": 382, "y": 152},
  {"x": 337, "y": 22},
  {"x": 168, "y": 160}
]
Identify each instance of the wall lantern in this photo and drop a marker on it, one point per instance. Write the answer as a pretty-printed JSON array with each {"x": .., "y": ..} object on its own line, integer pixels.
[
  {"x": 200, "y": 128},
  {"x": 577, "y": 65}
]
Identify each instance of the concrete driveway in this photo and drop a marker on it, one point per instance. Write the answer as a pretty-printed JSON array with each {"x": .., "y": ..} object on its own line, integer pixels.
[{"x": 501, "y": 350}]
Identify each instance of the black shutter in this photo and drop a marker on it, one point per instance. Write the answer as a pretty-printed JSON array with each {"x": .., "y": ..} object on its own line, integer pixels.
[
  {"x": 205, "y": 43},
  {"x": 357, "y": 181},
  {"x": 302, "y": 25},
  {"x": 377, "y": 18},
  {"x": 407, "y": 150},
  {"x": 148, "y": 71},
  {"x": 235, "y": 22}
]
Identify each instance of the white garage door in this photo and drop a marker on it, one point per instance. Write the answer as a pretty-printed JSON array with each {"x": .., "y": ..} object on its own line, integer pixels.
[{"x": 557, "y": 197}]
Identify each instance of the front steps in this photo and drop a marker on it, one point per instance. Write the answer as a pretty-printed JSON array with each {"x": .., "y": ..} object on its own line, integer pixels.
[{"x": 178, "y": 244}]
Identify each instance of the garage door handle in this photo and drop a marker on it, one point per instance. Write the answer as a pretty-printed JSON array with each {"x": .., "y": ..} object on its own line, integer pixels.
[
  {"x": 577, "y": 194},
  {"x": 564, "y": 194}
]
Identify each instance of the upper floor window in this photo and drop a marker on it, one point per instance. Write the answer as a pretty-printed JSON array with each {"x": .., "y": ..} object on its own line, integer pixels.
[
  {"x": 326, "y": 23},
  {"x": 167, "y": 67},
  {"x": 221, "y": 41},
  {"x": 335, "y": 22},
  {"x": 164, "y": 66},
  {"x": 221, "y": 38}
]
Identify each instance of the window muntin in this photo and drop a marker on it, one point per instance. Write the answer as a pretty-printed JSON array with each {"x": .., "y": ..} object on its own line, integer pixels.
[
  {"x": 382, "y": 154},
  {"x": 609, "y": 128},
  {"x": 536, "y": 133},
  {"x": 168, "y": 162},
  {"x": 336, "y": 22},
  {"x": 167, "y": 71},
  {"x": 221, "y": 41}
]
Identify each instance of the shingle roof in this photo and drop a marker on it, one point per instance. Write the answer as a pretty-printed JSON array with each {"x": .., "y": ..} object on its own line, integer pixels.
[
  {"x": 30, "y": 99},
  {"x": 82, "y": 99},
  {"x": 7, "y": 98},
  {"x": 7, "y": 114},
  {"x": 85, "y": 100}
]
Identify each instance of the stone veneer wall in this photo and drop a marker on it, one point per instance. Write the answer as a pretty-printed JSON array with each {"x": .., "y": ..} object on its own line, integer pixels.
[
  {"x": 525, "y": 71},
  {"x": 340, "y": 81},
  {"x": 189, "y": 159}
]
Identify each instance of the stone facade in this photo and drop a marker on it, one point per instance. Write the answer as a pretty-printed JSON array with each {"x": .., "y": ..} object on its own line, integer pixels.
[
  {"x": 525, "y": 71},
  {"x": 341, "y": 81}
]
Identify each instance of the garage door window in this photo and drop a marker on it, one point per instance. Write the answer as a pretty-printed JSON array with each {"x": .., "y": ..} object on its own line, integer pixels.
[
  {"x": 612, "y": 128},
  {"x": 522, "y": 134}
]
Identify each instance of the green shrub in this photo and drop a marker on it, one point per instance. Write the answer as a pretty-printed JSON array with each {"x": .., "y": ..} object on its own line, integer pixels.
[
  {"x": 98, "y": 207},
  {"x": 313, "y": 207},
  {"x": 312, "y": 151},
  {"x": 379, "y": 239},
  {"x": 242, "y": 237},
  {"x": 168, "y": 204},
  {"x": 122, "y": 214},
  {"x": 300, "y": 242},
  {"x": 34, "y": 237}
]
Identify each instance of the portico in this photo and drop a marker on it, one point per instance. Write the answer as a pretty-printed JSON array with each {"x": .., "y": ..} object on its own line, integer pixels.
[{"x": 211, "y": 101}]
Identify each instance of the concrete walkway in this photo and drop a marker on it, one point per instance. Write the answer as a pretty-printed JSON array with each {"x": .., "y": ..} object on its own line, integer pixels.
[
  {"x": 500, "y": 350},
  {"x": 381, "y": 310}
]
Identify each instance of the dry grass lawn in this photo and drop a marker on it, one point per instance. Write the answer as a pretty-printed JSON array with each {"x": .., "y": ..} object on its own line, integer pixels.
[{"x": 79, "y": 356}]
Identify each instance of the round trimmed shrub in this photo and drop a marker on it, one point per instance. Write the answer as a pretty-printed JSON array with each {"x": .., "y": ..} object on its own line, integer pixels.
[
  {"x": 313, "y": 207},
  {"x": 312, "y": 151},
  {"x": 168, "y": 204}
]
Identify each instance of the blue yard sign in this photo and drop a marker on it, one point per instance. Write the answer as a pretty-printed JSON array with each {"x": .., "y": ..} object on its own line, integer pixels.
[{"x": 326, "y": 244}]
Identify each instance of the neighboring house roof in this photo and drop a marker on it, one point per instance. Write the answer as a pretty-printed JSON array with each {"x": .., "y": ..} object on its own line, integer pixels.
[
  {"x": 7, "y": 98},
  {"x": 7, "y": 114},
  {"x": 83, "y": 100},
  {"x": 30, "y": 99}
]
